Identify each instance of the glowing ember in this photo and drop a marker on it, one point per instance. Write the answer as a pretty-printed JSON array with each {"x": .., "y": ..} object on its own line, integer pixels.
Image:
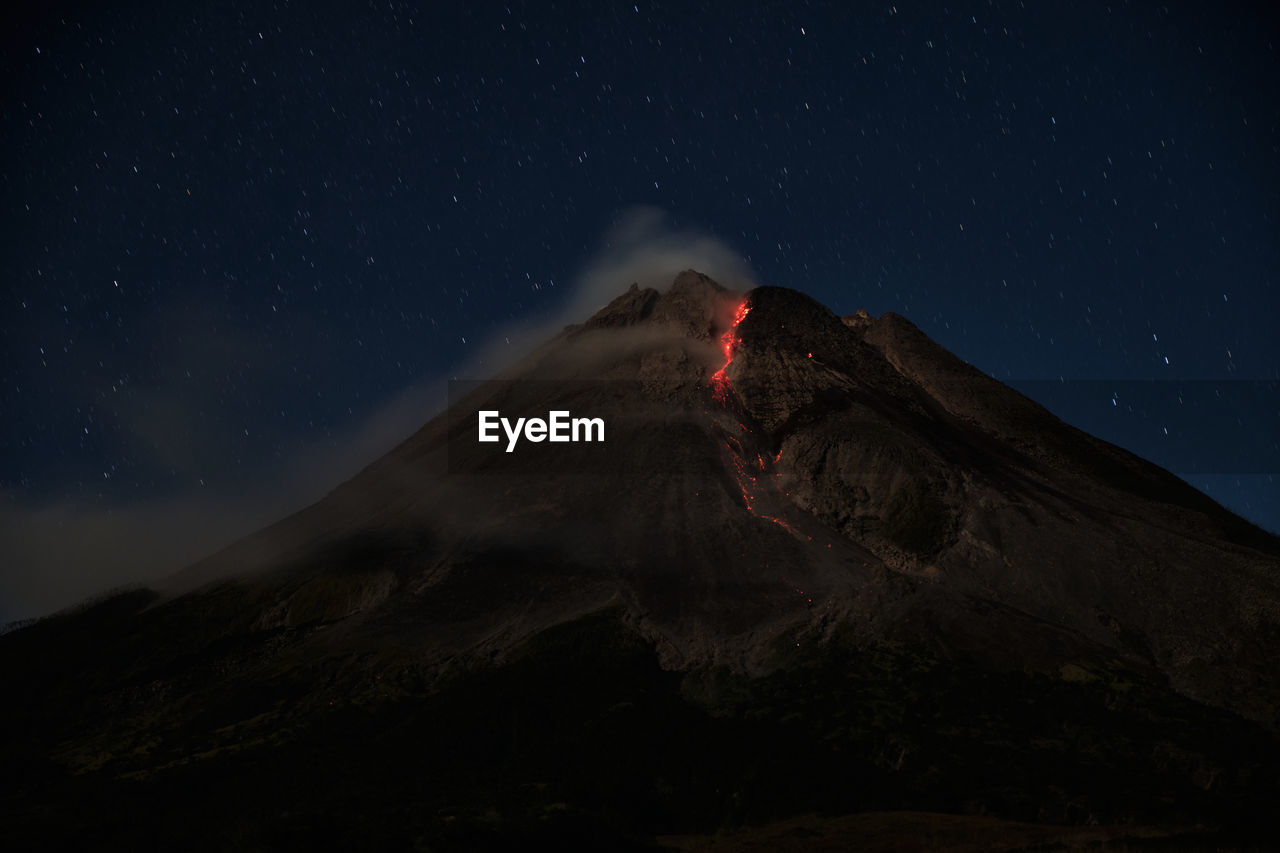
[{"x": 779, "y": 522}]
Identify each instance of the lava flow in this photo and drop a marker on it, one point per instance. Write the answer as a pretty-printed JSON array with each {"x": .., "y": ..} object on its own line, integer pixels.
[
  {"x": 720, "y": 384},
  {"x": 722, "y": 391}
]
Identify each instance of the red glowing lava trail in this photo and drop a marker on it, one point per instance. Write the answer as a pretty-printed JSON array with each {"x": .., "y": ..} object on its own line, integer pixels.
[
  {"x": 722, "y": 391},
  {"x": 720, "y": 385}
]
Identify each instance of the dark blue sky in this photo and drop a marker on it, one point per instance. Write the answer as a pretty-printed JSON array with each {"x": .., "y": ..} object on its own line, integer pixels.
[{"x": 234, "y": 238}]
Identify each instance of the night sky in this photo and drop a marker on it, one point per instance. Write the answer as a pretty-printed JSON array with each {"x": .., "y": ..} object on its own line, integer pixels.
[{"x": 243, "y": 247}]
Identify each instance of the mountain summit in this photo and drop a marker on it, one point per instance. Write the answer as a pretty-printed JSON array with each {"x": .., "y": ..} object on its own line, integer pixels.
[{"x": 818, "y": 564}]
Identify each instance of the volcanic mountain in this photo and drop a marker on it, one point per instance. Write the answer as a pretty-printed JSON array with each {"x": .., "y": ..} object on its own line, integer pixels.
[{"x": 819, "y": 566}]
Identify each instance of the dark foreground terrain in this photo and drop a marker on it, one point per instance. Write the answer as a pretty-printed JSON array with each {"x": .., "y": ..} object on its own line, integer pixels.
[{"x": 583, "y": 739}]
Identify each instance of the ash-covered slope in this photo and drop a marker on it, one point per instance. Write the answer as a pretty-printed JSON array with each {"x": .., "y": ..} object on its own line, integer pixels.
[{"x": 795, "y": 516}]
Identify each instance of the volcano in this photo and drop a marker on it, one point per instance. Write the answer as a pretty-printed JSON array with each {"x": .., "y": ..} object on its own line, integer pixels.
[{"x": 823, "y": 584}]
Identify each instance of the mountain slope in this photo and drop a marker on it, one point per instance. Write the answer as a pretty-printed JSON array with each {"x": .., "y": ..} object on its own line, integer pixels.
[{"x": 811, "y": 548}]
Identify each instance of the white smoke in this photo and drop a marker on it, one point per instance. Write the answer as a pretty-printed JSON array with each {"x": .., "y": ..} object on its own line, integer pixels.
[
  {"x": 642, "y": 248},
  {"x": 60, "y": 553}
]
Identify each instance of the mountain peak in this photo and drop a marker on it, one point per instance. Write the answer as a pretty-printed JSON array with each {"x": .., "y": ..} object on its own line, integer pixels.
[
  {"x": 631, "y": 307},
  {"x": 695, "y": 306},
  {"x": 858, "y": 320},
  {"x": 692, "y": 282}
]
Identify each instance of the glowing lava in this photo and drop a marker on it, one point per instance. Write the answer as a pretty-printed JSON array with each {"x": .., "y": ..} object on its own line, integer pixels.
[
  {"x": 745, "y": 468},
  {"x": 720, "y": 385}
]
